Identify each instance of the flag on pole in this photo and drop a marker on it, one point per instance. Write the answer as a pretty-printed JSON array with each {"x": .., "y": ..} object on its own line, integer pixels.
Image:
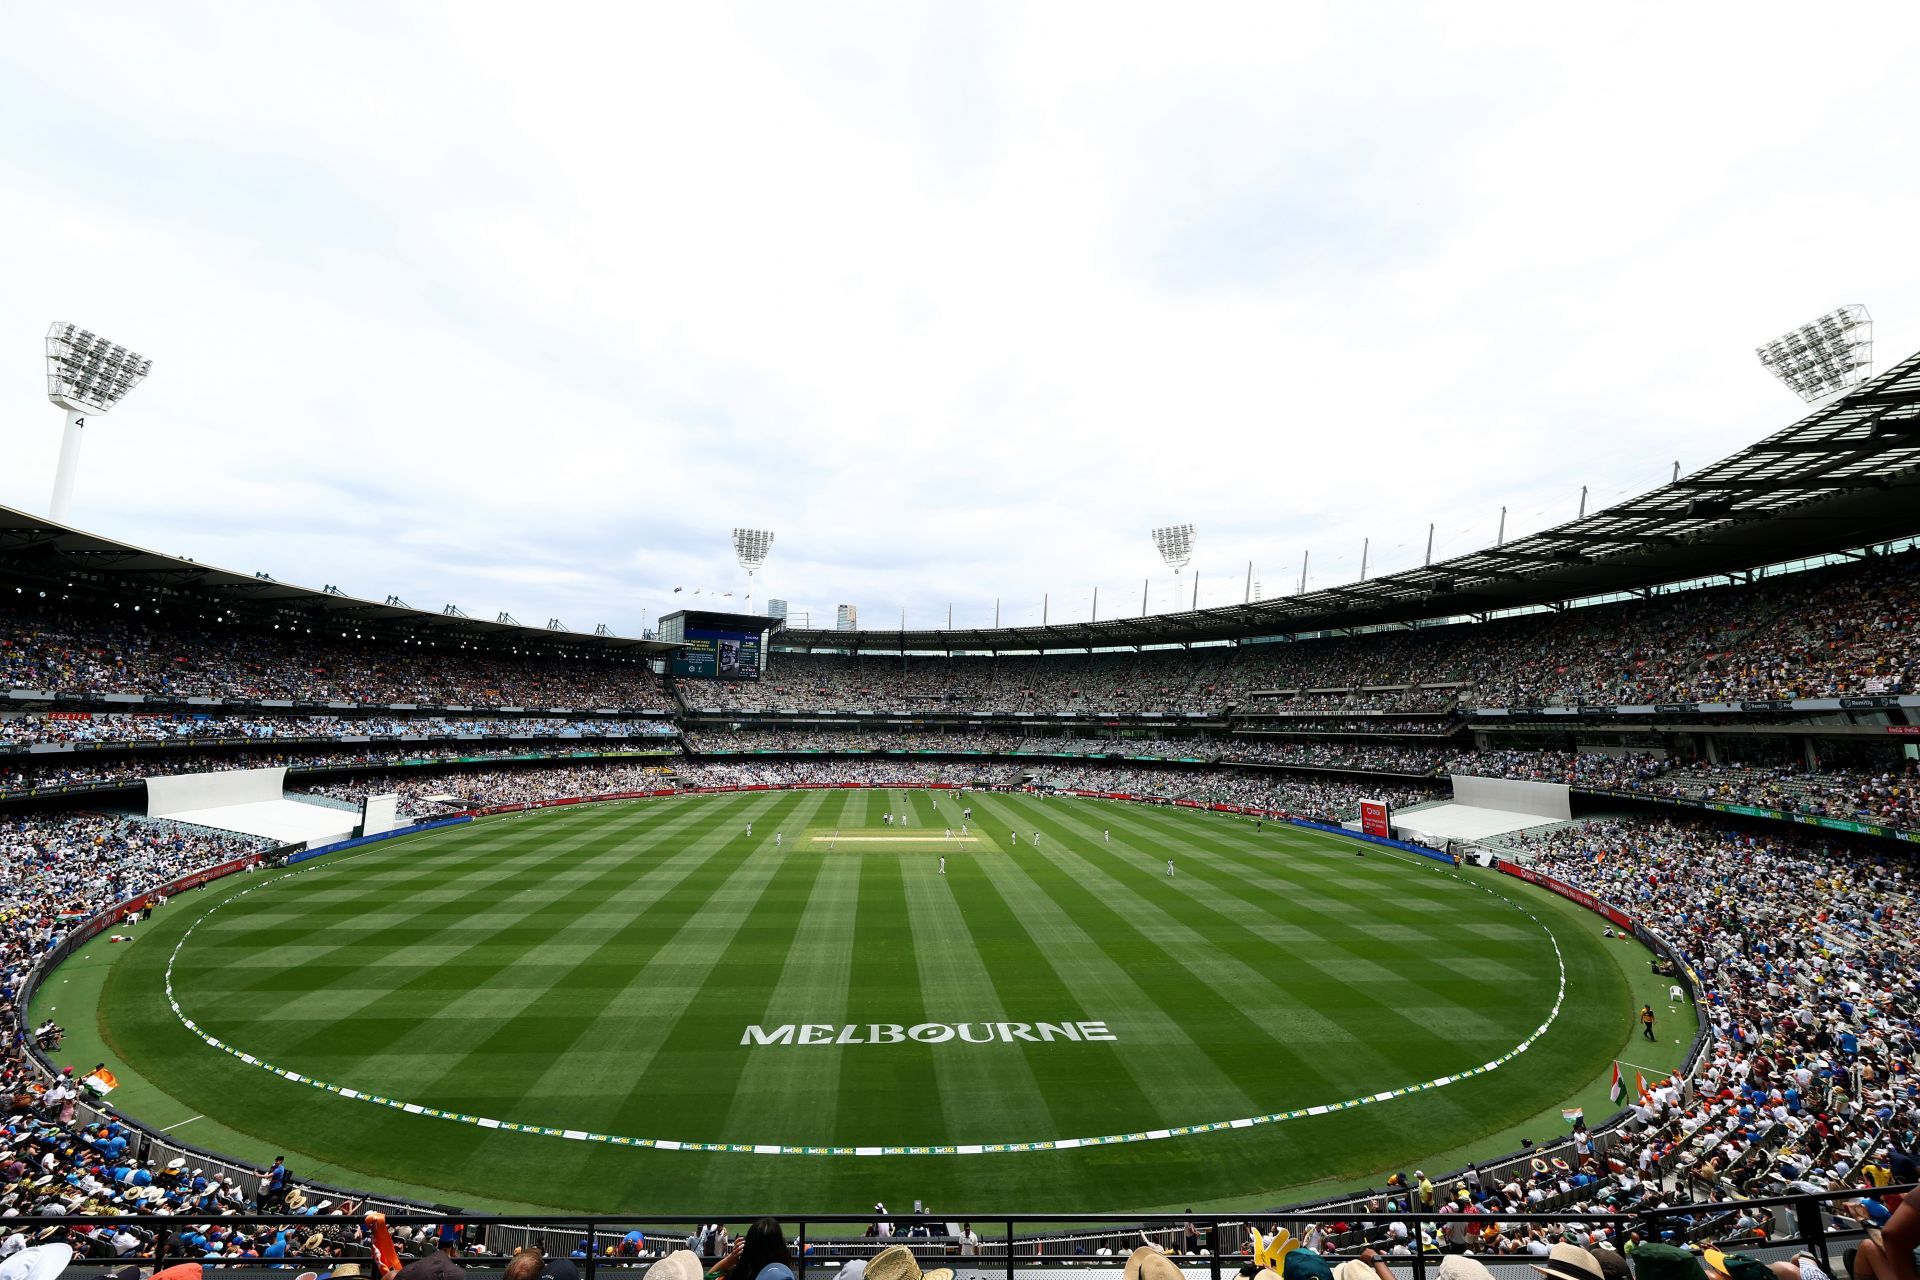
[
  {"x": 1640, "y": 1083},
  {"x": 1618, "y": 1088}
]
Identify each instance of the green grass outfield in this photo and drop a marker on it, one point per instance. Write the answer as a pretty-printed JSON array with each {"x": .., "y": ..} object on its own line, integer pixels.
[{"x": 597, "y": 970}]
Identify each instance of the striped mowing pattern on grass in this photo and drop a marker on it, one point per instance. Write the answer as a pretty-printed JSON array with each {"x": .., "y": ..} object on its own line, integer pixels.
[{"x": 590, "y": 975}]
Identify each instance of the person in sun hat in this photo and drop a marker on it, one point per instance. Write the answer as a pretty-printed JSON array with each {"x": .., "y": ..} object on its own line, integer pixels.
[
  {"x": 1568, "y": 1261},
  {"x": 896, "y": 1262},
  {"x": 39, "y": 1262},
  {"x": 1148, "y": 1262},
  {"x": 681, "y": 1264},
  {"x": 1458, "y": 1266}
]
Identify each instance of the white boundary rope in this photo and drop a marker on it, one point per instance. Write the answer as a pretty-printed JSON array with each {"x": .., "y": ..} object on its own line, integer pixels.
[{"x": 767, "y": 1149}]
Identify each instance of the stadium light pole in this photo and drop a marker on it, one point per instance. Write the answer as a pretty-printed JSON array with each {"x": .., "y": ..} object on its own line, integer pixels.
[
  {"x": 86, "y": 375},
  {"x": 1175, "y": 545},
  {"x": 1827, "y": 356},
  {"x": 750, "y": 548}
]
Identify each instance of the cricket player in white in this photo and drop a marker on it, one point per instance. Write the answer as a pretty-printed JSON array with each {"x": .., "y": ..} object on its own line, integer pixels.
[
  {"x": 776, "y": 844},
  {"x": 749, "y": 828},
  {"x": 1106, "y": 837},
  {"x": 1169, "y": 868},
  {"x": 943, "y": 864}
]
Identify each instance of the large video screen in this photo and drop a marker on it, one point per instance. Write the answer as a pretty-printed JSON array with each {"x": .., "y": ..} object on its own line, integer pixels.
[{"x": 718, "y": 655}]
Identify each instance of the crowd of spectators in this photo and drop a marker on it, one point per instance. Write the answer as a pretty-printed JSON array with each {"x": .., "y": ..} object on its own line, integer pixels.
[
  {"x": 98, "y": 728},
  {"x": 482, "y": 788},
  {"x": 1844, "y": 631},
  {"x": 1431, "y": 702},
  {"x": 1848, "y": 630},
  {"x": 1888, "y": 796},
  {"x": 1345, "y": 753},
  {"x": 1165, "y": 682},
  {"x": 23, "y": 774},
  {"x": 175, "y": 653},
  {"x": 1884, "y": 795},
  {"x": 1317, "y": 799},
  {"x": 1805, "y": 952},
  {"x": 54, "y": 866},
  {"x": 1361, "y": 726},
  {"x": 773, "y": 773},
  {"x": 985, "y": 741}
]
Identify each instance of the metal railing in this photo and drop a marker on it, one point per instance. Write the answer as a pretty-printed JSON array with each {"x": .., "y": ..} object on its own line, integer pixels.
[{"x": 1002, "y": 1244}]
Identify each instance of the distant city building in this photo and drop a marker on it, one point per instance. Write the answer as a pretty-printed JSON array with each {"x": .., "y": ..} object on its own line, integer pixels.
[
  {"x": 847, "y": 618},
  {"x": 777, "y": 609}
]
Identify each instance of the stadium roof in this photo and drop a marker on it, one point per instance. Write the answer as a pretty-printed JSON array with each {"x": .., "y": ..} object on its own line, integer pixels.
[
  {"x": 35, "y": 549},
  {"x": 1845, "y": 476}
]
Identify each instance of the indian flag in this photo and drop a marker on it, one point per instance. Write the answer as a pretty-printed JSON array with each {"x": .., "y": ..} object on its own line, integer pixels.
[
  {"x": 1573, "y": 1115},
  {"x": 101, "y": 1081},
  {"x": 1618, "y": 1089}
]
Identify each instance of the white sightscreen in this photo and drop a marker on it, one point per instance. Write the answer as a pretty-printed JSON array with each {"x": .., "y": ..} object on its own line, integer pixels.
[
  {"x": 187, "y": 792},
  {"x": 1541, "y": 799},
  {"x": 379, "y": 813}
]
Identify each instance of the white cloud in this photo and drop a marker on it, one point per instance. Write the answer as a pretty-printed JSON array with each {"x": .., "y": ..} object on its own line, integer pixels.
[{"x": 959, "y": 300}]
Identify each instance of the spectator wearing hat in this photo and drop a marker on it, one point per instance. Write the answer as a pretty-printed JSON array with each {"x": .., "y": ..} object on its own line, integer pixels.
[
  {"x": 896, "y": 1262},
  {"x": 1568, "y": 1261}
]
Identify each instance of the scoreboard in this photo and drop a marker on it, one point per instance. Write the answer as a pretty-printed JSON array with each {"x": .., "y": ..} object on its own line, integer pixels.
[
  {"x": 718, "y": 655},
  {"x": 716, "y": 646}
]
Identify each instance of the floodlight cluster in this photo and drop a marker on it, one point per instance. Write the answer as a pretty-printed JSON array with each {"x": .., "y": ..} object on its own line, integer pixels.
[
  {"x": 752, "y": 546},
  {"x": 1175, "y": 544},
  {"x": 87, "y": 371},
  {"x": 1826, "y": 355}
]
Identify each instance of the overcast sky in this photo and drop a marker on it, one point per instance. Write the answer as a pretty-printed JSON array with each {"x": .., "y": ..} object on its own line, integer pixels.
[{"x": 524, "y": 307}]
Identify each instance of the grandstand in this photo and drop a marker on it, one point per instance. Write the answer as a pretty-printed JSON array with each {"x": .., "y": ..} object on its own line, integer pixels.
[{"x": 1697, "y": 713}]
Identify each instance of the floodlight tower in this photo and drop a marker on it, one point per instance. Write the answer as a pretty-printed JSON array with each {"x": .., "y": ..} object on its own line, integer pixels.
[
  {"x": 1827, "y": 356},
  {"x": 750, "y": 548},
  {"x": 1175, "y": 543},
  {"x": 86, "y": 374}
]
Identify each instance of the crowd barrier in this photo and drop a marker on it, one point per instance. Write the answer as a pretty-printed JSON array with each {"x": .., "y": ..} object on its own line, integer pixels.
[{"x": 1002, "y": 1246}]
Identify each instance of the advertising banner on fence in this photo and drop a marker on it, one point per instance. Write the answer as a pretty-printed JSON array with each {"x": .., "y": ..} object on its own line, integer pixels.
[
  {"x": 1374, "y": 818},
  {"x": 119, "y": 910},
  {"x": 1567, "y": 891}
]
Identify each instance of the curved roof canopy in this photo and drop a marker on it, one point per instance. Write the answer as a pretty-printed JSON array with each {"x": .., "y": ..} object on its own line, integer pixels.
[{"x": 1847, "y": 475}]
